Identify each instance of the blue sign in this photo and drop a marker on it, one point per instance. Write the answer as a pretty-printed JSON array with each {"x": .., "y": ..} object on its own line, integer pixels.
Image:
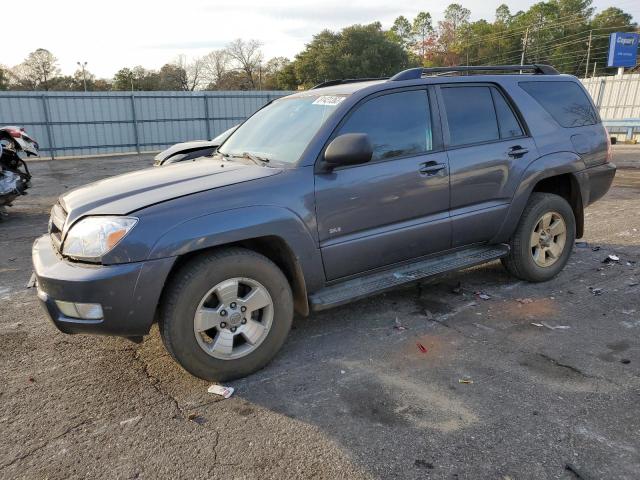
[{"x": 623, "y": 50}]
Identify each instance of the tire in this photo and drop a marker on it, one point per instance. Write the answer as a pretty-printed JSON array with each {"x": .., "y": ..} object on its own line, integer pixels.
[
  {"x": 548, "y": 260},
  {"x": 191, "y": 290}
]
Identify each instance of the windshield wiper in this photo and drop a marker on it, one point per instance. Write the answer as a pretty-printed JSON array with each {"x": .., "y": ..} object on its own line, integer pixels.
[{"x": 254, "y": 158}]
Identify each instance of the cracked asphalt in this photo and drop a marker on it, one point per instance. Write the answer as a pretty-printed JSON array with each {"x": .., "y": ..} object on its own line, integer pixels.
[{"x": 552, "y": 374}]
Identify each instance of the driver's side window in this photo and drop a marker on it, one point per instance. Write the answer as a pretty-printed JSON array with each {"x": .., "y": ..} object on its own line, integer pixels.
[{"x": 398, "y": 124}]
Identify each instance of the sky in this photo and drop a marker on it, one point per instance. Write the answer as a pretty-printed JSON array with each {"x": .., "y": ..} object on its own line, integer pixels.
[{"x": 111, "y": 35}]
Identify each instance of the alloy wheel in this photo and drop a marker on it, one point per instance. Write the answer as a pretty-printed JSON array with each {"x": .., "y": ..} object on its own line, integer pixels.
[
  {"x": 233, "y": 318},
  {"x": 548, "y": 239}
]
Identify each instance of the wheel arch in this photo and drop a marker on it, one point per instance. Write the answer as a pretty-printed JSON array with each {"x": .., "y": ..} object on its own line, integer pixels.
[
  {"x": 559, "y": 173},
  {"x": 292, "y": 248}
]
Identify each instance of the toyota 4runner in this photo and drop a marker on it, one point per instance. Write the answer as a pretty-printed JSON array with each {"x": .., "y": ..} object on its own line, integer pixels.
[{"x": 324, "y": 197}]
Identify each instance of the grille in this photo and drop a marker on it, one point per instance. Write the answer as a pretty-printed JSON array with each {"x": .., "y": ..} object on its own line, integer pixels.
[{"x": 56, "y": 224}]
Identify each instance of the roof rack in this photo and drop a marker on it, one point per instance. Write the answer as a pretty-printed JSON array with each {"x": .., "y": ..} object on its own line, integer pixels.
[
  {"x": 330, "y": 83},
  {"x": 416, "y": 73}
]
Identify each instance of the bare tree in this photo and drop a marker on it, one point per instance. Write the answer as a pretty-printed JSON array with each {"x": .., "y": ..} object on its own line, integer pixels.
[
  {"x": 192, "y": 72},
  {"x": 215, "y": 66},
  {"x": 248, "y": 56},
  {"x": 38, "y": 69}
]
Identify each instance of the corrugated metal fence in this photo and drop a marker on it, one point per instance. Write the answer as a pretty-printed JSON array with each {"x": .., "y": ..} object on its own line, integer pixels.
[
  {"x": 618, "y": 100},
  {"x": 78, "y": 123}
]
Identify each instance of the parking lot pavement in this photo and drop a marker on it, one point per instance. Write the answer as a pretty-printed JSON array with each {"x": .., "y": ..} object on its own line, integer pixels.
[{"x": 552, "y": 372}]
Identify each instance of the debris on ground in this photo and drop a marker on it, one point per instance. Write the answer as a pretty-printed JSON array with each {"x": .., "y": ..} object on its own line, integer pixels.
[
  {"x": 626, "y": 361},
  {"x": 582, "y": 245},
  {"x": 555, "y": 327},
  {"x": 197, "y": 419},
  {"x": 633, "y": 283},
  {"x": 32, "y": 281},
  {"x": 551, "y": 327},
  {"x": 466, "y": 381},
  {"x": 428, "y": 314},
  {"x": 482, "y": 295},
  {"x": 457, "y": 289},
  {"x": 524, "y": 301},
  {"x": 596, "y": 291},
  {"x": 398, "y": 326},
  {"x": 423, "y": 464},
  {"x": 571, "y": 468},
  {"x": 596, "y": 248},
  {"x": 631, "y": 263},
  {"x": 611, "y": 259},
  {"x": 221, "y": 390},
  {"x": 421, "y": 347},
  {"x": 628, "y": 312},
  {"x": 131, "y": 421}
]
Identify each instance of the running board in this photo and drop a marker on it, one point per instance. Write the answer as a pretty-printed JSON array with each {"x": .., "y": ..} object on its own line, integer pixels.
[{"x": 374, "y": 283}]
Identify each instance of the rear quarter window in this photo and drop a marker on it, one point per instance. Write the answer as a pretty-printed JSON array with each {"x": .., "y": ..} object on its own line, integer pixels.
[{"x": 566, "y": 102}]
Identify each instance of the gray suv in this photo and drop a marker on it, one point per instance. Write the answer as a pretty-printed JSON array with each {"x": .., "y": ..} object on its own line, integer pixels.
[{"x": 324, "y": 197}]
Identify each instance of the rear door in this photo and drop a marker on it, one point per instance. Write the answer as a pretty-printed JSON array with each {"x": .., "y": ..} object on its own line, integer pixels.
[
  {"x": 488, "y": 148},
  {"x": 395, "y": 207}
]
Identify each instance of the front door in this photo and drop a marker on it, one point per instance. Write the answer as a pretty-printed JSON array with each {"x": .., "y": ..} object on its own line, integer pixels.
[{"x": 395, "y": 207}]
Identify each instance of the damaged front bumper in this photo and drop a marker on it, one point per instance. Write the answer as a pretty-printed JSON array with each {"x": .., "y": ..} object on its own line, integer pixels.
[{"x": 103, "y": 299}]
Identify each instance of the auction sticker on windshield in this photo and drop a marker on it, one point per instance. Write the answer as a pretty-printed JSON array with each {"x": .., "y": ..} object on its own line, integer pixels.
[{"x": 328, "y": 100}]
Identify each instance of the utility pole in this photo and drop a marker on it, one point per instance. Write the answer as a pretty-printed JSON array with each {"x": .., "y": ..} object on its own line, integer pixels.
[
  {"x": 586, "y": 68},
  {"x": 524, "y": 46},
  {"x": 84, "y": 74}
]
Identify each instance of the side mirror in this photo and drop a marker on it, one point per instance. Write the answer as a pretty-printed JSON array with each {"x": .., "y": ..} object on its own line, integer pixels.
[{"x": 348, "y": 149}]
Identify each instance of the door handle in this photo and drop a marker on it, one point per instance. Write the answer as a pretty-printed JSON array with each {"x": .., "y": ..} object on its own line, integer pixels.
[
  {"x": 517, "y": 151},
  {"x": 431, "y": 168}
]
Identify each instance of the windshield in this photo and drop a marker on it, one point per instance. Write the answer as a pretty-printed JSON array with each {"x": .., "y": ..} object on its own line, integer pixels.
[{"x": 281, "y": 131}]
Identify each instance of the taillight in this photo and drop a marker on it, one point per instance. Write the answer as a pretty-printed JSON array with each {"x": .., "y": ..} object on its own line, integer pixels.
[{"x": 15, "y": 133}]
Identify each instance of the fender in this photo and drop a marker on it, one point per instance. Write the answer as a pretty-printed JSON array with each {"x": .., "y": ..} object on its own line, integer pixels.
[
  {"x": 246, "y": 223},
  {"x": 547, "y": 166}
]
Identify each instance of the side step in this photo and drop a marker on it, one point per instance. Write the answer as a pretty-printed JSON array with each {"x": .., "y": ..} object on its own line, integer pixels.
[{"x": 361, "y": 287}]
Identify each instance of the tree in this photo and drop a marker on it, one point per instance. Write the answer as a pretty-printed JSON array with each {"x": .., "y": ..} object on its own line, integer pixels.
[
  {"x": 190, "y": 72},
  {"x": 503, "y": 14},
  {"x": 123, "y": 79},
  {"x": 4, "y": 78},
  {"x": 356, "y": 51},
  {"x": 273, "y": 77},
  {"x": 452, "y": 33},
  {"x": 422, "y": 31},
  {"x": 401, "y": 32},
  {"x": 248, "y": 56},
  {"x": 215, "y": 65},
  {"x": 37, "y": 70}
]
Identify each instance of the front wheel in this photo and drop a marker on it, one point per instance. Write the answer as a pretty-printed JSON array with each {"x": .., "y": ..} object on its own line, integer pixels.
[
  {"x": 542, "y": 243},
  {"x": 226, "y": 314}
]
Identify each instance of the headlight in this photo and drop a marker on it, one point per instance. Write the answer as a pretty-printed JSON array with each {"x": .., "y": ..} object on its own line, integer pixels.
[{"x": 92, "y": 237}]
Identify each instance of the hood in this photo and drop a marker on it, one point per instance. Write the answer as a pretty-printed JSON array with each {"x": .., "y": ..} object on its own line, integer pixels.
[
  {"x": 126, "y": 193},
  {"x": 185, "y": 147}
]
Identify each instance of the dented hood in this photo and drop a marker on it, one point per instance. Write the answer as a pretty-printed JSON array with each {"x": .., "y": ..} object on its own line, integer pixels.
[{"x": 126, "y": 193}]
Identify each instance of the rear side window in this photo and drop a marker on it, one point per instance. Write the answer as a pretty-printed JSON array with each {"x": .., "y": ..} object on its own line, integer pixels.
[
  {"x": 566, "y": 102},
  {"x": 470, "y": 115},
  {"x": 398, "y": 124},
  {"x": 507, "y": 121}
]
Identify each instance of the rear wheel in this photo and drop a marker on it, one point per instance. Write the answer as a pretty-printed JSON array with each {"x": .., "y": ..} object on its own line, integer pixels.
[
  {"x": 226, "y": 314},
  {"x": 542, "y": 243}
]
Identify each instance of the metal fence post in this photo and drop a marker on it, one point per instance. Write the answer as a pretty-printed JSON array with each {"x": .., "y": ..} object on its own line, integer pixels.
[
  {"x": 50, "y": 139},
  {"x": 135, "y": 122},
  {"x": 206, "y": 116}
]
